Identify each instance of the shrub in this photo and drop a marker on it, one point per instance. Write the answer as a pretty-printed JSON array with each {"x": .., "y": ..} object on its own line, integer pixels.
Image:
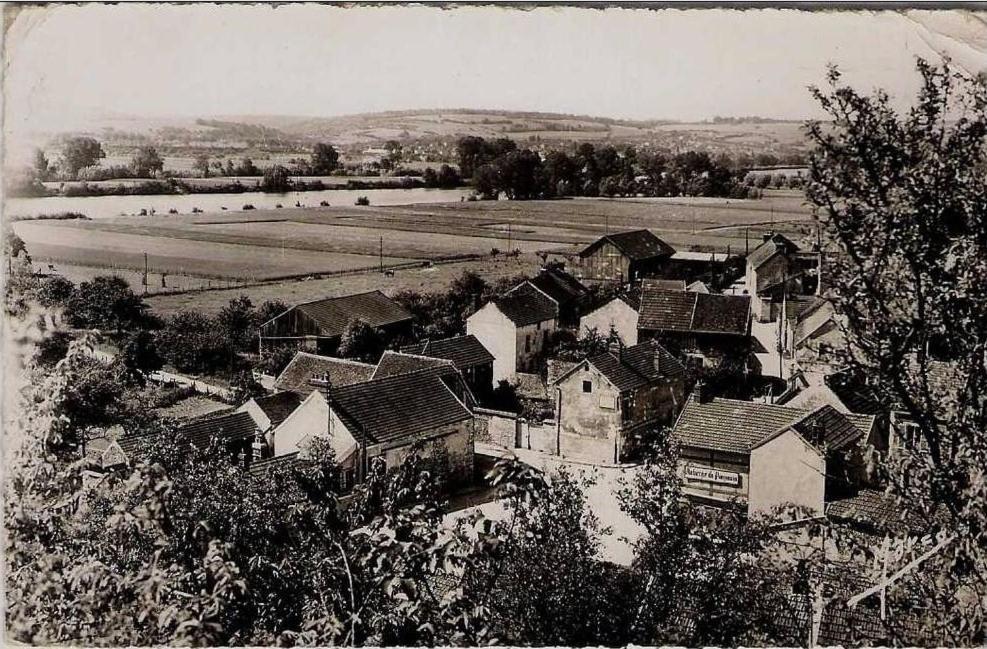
[
  {"x": 247, "y": 206},
  {"x": 362, "y": 200}
]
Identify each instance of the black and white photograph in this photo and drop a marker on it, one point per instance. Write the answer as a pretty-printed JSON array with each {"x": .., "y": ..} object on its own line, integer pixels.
[{"x": 519, "y": 324}]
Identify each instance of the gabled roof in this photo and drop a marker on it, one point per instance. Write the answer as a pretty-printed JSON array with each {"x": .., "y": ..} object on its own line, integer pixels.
[
  {"x": 559, "y": 285},
  {"x": 737, "y": 426},
  {"x": 633, "y": 366},
  {"x": 392, "y": 363},
  {"x": 778, "y": 243},
  {"x": 825, "y": 428},
  {"x": 636, "y": 245},
  {"x": 812, "y": 319},
  {"x": 278, "y": 406},
  {"x": 697, "y": 287},
  {"x": 236, "y": 426},
  {"x": 332, "y": 315},
  {"x": 665, "y": 310},
  {"x": 399, "y": 407},
  {"x": 305, "y": 366},
  {"x": 526, "y": 305},
  {"x": 463, "y": 351}
]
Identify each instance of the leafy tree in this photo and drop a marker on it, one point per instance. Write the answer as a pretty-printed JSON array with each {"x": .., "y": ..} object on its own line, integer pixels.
[
  {"x": 902, "y": 196},
  {"x": 52, "y": 348},
  {"x": 81, "y": 152},
  {"x": 41, "y": 165},
  {"x": 275, "y": 360},
  {"x": 362, "y": 342},
  {"x": 201, "y": 164},
  {"x": 14, "y": 244},
  {"x": 447, "y": 178},
  {"x": 325, "y": 159},
  {"x": 520, "y": 174},
  {"x": 276, "y": 179},
  {"x": 702, "y": 576},
  {"x": 544, "y": 584},
  {"x": 192, "y": 342},
  {"x": 486, "y": 182},
  {"x": 139, "y": 354},
  {"x": 146, "y": 162},
  {"x": 55, "y": 291},
  {"x": 107, "y": 302}
]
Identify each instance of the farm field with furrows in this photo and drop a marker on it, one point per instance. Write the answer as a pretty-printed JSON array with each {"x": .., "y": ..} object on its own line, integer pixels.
[
  {"x": 181, "y": 256},
  {"x": 259, "y": 244}
]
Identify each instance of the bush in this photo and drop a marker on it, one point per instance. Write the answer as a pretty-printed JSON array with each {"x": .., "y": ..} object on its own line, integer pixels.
[
  {"x": 192, "y": 342},
  {"x": 362, "y": 200},
  {"x": 248, "y": 206}
]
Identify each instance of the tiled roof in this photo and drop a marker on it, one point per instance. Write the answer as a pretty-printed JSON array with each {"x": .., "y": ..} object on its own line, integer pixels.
[
  {"x": 737, "y": 426},
  {"x": 263, "y": 468},
  {"x": 559, "y": 285},
  {"x": 869, "y": 506},
  {"x": 858, "y": 395},
  {"x": 393, "y": 408},
  {"x": 813, "y": 319},
  {"x": 463, "y": 351},
  {"x": 236, "y": 426},
  {"x": 664, "y": 284},
  {"x": 767, "y": 250},
  {"x": 304, "y": 367},
  {"x": 637, "y": 366},
  {"x": 527, "y": 305},
  {"x": 278, "y": 406},
  {"x": 531, "y": 386},
  {"x": 636, "y": 245},
  {"x": 392, "y": 363},
  {"x": 828, "y": 428},
  {"x": 665, "y": 310},
  {"x": 332, "y": 315}
]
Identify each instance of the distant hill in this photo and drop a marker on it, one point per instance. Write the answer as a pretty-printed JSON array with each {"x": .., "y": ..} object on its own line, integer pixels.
[{"x": 436, "y": 130}]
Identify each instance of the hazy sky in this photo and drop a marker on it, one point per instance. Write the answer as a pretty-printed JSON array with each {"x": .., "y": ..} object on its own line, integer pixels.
[{"x": 65, "y": 63}]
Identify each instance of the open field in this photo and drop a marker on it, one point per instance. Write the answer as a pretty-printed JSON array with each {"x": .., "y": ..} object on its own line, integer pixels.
[
  {"x": 180, "y": 255},
  {"x": 268, "y": 244},
  {"x": 436, "y": 278}
]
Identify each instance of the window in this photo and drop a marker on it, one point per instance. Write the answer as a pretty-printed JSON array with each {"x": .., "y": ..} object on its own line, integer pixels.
[
  {"x": 527, "y": 343},
  {"x": 587, "y": 386},
  {"x": 537, "y": 325}
]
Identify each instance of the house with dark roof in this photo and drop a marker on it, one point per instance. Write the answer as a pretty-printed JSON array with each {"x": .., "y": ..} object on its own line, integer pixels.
[
  {"x": 268, "y": 412},
  {"x": 816, "y": 335},
  {"x": 710, "y": 328},
  {"x": 235, "y": 431},
  {"x": 604, "y": 400},
  {"x": 624, "y": 257},
  {"x": 767, "y": 455},
  {"x": 385, "y": 417},
  {"x": 317, "y": 326},
  {"x": 466, "y": 353},
  {"x": 775, "y": 268},
  {"x": 298, "y": 374},
  {"x": 567, "y": 291},
  {"x": 515, "y": 329}
]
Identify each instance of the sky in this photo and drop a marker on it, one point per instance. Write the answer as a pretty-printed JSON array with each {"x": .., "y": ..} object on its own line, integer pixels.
[{"x": 66, "y": 64}]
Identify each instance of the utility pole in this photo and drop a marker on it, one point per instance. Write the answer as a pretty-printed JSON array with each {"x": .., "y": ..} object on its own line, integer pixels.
[
  {"x": 144, "y": 278},
  {"x": 381, "y": 254},
  {"x": 747, "y": 242},
  {"x": 510, "y": 249}
]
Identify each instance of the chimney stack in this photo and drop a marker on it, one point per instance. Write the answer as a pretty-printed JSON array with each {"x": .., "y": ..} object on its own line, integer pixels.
[{"x": 700, "y": 393}]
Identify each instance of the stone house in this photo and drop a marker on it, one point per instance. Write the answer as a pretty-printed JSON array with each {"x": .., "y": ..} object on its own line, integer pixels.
[
  {"x": 624, "y": 257},
  {"x": 515, "y": 328},
  {"x": 711, "y": 329},
  {"x": 318, "y": 326},
  {"x": 567, "y": 291},
  {"x": 775, "y": 268},
  {"x": 268, "y": 412},
  {"x": 605, "y": 398},
  {"x": 764, "y": 455},
  {"x": 467, "y": 354},
  {"x": 619, "y": 314},
  {"x": 385, "y": 417}
]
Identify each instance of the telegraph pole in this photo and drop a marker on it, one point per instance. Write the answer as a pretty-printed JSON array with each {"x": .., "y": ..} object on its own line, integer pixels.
[{"x": 144, "y": 279}]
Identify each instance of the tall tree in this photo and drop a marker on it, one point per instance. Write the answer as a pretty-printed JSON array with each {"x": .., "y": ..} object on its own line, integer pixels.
[
  {"x": 903, "y": 198},
  {"x": 325, "y": 158},
  {"x": 81, "y": 152},
  {"x": 146, "y": 162}
]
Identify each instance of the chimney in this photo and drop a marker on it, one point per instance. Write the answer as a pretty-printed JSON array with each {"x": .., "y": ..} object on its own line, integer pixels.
[
  {"x": 767, "y": 236},
  {"x": 616, "y": 347},
  {"x": 701, "y": 392}
]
